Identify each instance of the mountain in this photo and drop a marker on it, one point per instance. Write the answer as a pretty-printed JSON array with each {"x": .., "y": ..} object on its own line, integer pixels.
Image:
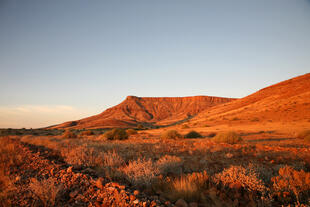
[
  {"x": 287, "y": 101},
  {"x": 149, "y": 111}
]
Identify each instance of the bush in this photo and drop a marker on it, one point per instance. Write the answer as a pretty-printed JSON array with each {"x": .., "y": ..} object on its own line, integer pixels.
[
  {"x": 193, "y": 134},
  {"x": 238, "y": 176},
  {"x": 185, "y": 126},
  {"x": 116, "y": 134},
  {"x": 68, "y": 134},
  {"x": 87, "y": 133},
  {"x": 227, "y": 137},
  {"x": 290, "y": 180},
  {"x": 46, "y": 190},
  {"x": 140, "y": 126},
  {"x": 171, "y": 134},
  {"x": 131, "y": 131}
]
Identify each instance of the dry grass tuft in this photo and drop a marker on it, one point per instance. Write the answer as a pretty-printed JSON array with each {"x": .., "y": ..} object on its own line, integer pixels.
[
  {"x": 227, "y": 137},
  {"x": 87, "y": 133},
  {"x": 171, "y": 134},
  {"x": 140, "y": 172},
  {"x": 112, "y": 159},
  {"x": 169, "y": 164},
  {"x": 188, "y": 187},
  {"x": 46, "y": 190}
]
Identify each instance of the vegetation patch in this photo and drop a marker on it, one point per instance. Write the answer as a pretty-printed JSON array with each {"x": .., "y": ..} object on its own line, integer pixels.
[
  {"x": 68, "y": 134},
  {"x": 131, "y": 131},
  {"x": 193, "y": 134},
  {"x": 227, "y": 137},
  {"x": 171, "y": 134},
  {"x": 116, "y": 134}
]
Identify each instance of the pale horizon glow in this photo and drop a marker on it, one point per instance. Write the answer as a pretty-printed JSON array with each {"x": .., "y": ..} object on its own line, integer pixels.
[{"x": 66, "y": 60}]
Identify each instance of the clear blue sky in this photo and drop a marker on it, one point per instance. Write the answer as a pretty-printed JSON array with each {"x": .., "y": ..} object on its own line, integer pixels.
[{"x": 63, "y": 60}]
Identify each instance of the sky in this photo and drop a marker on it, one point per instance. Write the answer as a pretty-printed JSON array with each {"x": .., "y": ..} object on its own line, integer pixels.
[{"x": 66, "y": 60}]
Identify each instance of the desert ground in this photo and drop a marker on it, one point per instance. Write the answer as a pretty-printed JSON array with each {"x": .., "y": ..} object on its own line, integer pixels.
[{"x": 253, "y": 151}]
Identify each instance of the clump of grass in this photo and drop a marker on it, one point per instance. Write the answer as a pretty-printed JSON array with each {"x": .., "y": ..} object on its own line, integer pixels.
[
  {"x": 112, "y": 159},
  {"x": 131, "y": 131},
  {"x": 140, "y": 172},
  {"x": 68, "y": 134},
  {"x": 169, "y": 164},
  {"x": 188, "y": 187},
  {"x": 171, "y": 134},
  {"x": 116, "y": 134},
  {"x": 140, "y": 126},
  {"x": 193, "y": 134},
  {"x": 46, "y": 190},
  {"x": 227, "y": 137},
  {"x": 290, "y": 180},
  {"x": 82, "y": 156},
  {"x": 239, "y": 176}
]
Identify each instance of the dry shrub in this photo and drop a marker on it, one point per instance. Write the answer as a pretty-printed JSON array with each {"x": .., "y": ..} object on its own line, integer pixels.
[
  {"x": 290, "y": 180},
  {"x": 87, "y": 133},
  {"x": 131, "y": 131},
  {"x": 188, "y": 187},
  {"x": 140, "y": 172},
  {"x": 236, "y": 176},
  {"x": 303, "y": 134},
  {"x": 171, "y": 134},
  {"x": 193, "y": 134},
  {"x": 82, "y": 156},
  {"x": 116, "y": 134},
  {"x": 112, "y": 159},
  {"x": 46, "y": 190},
  {"x": 227, "y": 137},
  {"x": 169, "y": 164},
  {"x": 68, "y": 134}
]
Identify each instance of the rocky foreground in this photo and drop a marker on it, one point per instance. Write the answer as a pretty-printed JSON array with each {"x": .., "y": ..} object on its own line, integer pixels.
[{"x": 43, "y": 179}]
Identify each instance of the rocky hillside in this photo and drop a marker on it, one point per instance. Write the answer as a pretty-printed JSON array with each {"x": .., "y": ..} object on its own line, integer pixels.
[
  {"x": 287, "y": 101},
  {"x": 148, "y": 111}
]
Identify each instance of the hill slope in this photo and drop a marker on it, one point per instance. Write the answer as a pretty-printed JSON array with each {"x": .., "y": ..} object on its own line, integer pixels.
[
  {"x": 148, "y": 111},
  {"x": 287, "y": 101}
]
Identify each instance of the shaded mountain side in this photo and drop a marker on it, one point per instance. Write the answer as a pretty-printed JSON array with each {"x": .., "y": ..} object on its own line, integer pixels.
[
  {"x": 148, "y": 111},
  {"x": 287, "y": 101}
]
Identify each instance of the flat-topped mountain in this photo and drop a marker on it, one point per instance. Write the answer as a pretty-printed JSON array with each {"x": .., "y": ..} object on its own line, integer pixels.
[{"x": 148, "y": 111}]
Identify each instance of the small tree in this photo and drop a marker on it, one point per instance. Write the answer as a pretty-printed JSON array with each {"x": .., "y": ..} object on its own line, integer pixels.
[{"x": 116, "y": 134}]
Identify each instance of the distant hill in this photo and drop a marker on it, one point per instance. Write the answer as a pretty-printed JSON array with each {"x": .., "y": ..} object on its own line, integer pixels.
[
  {"x": 148, "y": 111},
  {"x": 287, "y": 101}
]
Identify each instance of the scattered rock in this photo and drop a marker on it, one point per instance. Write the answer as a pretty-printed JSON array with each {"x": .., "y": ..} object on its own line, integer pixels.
[
  {"x": 136, "y": 192},
  {"x": 69, "y": 169},
  {"x": 136, "y": 201},
  {"x": 181, "y": 203},
  {"x": 99, "y": 183}
]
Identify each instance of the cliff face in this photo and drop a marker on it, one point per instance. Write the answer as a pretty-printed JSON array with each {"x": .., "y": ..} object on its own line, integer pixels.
[{"x": 151, "y": 111}]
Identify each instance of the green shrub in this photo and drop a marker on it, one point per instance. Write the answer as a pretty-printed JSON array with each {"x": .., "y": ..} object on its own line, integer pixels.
[
  {"x": 193, "y": 134},
  {"x": 131, "y": 131},
  {"x": 68, "y": 134},
  {"x": 227, "y": 137},
  {"x": 171, "y": 134},
  {"x": 116, "y": 134}
]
